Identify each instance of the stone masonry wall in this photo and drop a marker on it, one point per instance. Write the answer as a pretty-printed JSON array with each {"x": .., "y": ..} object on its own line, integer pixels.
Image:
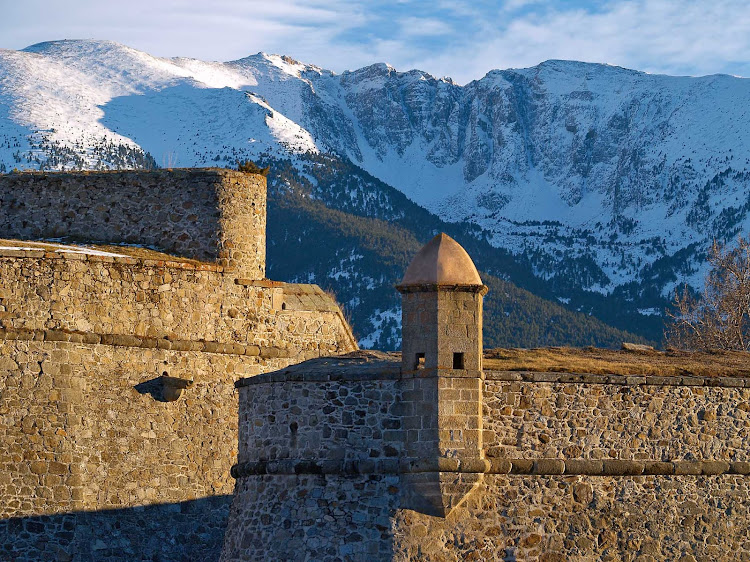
[
  {"x": 209, "y": 214},
  {"x": 352, "y": 423},
  {"x": 330, "y": 517},
  {"x": 576, "y": 467},
  {"x": 166, "y": 301},
  {"x": 664, "y": 420},
  {"x": 84, "y": 429},
  {"x": 439, "y": 323},
  {"x": 419, "y": 329},
  {"x": 94, "y": 463}
]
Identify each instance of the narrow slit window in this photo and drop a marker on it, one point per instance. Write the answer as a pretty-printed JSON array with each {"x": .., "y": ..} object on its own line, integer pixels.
[
  {"x": 458, "y": 360},
  {"x": 419, "y": 361}
]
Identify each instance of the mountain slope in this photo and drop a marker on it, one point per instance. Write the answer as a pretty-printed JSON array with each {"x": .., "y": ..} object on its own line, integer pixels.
[
  {"x": 360, "y": 260},
  {"x": 596, "y": 186}
]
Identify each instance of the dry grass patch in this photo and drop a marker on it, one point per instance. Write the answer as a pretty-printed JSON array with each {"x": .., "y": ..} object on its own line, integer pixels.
[{"x": 620, "y": 362}]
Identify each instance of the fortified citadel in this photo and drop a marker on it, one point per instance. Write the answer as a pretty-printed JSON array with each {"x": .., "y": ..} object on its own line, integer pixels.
[
  {"x": 138, "y": 389},
  {"x": 100, "y": 456}
]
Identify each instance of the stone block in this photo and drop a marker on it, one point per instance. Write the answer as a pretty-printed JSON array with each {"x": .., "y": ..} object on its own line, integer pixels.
[
  {"x": 658, "y": 467},
  {"x": 500, "y": 466},
  {"x": 682, "y": 468},
  {"x": 583, "y": 466},
  {"x": 549, "y": 466},
  {"x": 616, "y": 467},
  {"x": 522, "y": 466},
  {"x": 714, "y": 467}
]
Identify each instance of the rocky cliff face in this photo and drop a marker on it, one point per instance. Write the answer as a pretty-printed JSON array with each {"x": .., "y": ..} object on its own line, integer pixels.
[
  {"x": 565, "y": 158},
  {"x": 604, "y": 180}
]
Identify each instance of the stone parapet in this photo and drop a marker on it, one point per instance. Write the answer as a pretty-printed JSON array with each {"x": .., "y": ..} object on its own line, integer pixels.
[
  {"x": 123, "y": 340},
  {"x": 148, "y": 302},
  {"x": 315, "y": 436},
  {"x": 617, "y": 417},
  {"x": 81, "y": 256},
  {"x": 209, "y": 214},
  {"x": 619, "y": 380}
]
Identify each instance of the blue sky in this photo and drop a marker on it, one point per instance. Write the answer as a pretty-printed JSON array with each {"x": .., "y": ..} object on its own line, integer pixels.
[{"x": 459, "y": 38}]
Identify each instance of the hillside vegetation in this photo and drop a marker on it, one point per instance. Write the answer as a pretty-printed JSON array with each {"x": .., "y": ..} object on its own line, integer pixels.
[{"x": 360, "y": 259}]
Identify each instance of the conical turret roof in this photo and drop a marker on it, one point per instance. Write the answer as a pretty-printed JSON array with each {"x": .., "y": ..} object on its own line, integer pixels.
[{"x": 442, "y": 261}]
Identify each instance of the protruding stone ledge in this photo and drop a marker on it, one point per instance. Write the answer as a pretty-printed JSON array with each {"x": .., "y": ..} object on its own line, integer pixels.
[
  {"x": 265, "y": 283},
  {"x": 128, "y": 340},
  {"x": 435, "y": 287},
  {"x": 445, "y": 464},
  {"x": 442, "y": 372},
  {"x": 621, "y": 380},
  {"x": 296, "y": 466},
  {"x": 529, "y": 467},
  {"x": 48, "y": 254}
]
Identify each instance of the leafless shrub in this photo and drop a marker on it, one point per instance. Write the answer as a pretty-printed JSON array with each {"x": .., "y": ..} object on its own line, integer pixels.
[
  {"x": 720, "y": 317},
  {"x": 250, "y": 167}
]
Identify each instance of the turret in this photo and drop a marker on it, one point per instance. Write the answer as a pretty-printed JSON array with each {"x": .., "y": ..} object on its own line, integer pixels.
[
  {"x": 442, "y": 379},
  {"x": 442, "y": 310}
]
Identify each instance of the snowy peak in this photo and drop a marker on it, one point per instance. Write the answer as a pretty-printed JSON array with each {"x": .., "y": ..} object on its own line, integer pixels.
[
  {"x": 109, "y": 63},
  {"x": 295, "y": 68},
  {"x": 612, "y": 170}
]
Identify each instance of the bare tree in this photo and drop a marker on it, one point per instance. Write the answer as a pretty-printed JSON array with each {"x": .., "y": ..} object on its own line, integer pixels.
[{"x": 720, "y": 317}]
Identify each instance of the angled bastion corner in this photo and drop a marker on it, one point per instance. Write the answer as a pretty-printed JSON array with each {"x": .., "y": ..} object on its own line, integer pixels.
[{"x": 118, "y": 361}]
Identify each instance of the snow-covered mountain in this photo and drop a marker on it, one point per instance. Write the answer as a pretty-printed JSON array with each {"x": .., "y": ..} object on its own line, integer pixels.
[{"x": 603, "y": 179}]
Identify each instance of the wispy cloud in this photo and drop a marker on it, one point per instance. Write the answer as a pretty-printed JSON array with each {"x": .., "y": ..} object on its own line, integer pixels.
[
  {"x": 460, "y": 38},
  {"x": 424, "y": 27}
]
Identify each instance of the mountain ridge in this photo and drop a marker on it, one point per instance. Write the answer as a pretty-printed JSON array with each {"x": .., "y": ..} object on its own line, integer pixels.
[{"x": 607, "y": 183}]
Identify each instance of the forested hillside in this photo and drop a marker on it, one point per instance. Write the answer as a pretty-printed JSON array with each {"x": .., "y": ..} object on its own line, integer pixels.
[{"x": 360, "y": 259}]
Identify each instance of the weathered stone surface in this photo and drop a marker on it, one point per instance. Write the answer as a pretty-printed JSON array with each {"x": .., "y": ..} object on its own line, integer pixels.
[
  {"x": 121, "y": 304},
  {"x": 344, "y": 458},
  {"x": 615, "y": 478},
  {"x": 523, "y": 517},
  {"x": 209, "y": 214},
  {"x": 596, "y": 421},
  {"x": 442, "y": 261},
  {"x": 549, "y": 466},
  {"x": 95, "y": 462}
]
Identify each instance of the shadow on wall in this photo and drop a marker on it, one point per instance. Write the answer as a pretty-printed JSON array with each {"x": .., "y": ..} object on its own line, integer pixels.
[
  {"x": 154, "y": 387},
  {"x": 190, "y": 530}
]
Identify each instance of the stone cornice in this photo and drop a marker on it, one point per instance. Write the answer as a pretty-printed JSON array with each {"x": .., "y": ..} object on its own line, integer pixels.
[
  {"x": 437, "y": 288},
  {"x": 127, "y": 340}
]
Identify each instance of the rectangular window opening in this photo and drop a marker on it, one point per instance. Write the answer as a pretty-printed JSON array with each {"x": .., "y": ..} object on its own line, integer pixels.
[
  {"x": 419, "y": 361},
  {"x": 458, "y": 360}
]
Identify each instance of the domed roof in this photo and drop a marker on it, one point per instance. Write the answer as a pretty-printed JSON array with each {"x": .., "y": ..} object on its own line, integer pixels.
[{"x": 442, "y": 261}]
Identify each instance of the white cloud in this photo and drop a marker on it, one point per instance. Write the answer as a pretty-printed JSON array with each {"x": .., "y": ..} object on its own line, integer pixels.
[
  {"x": 416, "y": 26},
  {"x": 665, "y": 36},
  {"x": 460, "y": 38}
]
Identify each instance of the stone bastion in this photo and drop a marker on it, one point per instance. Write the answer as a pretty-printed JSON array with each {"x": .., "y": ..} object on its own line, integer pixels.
[
  {"x": 431, "y": 455},
  {"x": 148, "y": 373},
  {"x": 209, "y": 214},
  {"x": 118, "y": 411}
]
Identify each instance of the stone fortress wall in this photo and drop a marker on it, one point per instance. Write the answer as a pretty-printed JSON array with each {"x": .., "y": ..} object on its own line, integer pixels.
[
  {"x": 590, "y": 467},
  {"x": 209, "y": 214},
  {"x": 96, "y": 461},
  {"x": 366, "y": 456}
]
